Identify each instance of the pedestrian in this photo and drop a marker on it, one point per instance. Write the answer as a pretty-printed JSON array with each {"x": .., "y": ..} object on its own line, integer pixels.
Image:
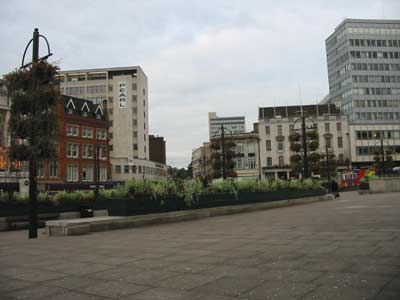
[{"x": 335, "y": 188}]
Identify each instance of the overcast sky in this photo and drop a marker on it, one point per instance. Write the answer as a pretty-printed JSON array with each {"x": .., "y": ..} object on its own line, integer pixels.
[{"x": 225, "y": 56}]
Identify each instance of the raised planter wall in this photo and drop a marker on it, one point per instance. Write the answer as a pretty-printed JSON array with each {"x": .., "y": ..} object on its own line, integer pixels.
[{"x": 384, "y": 185}]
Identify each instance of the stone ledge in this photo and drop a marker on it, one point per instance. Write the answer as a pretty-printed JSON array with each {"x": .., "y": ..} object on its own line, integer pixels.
[{"x": 61, "y": 227}]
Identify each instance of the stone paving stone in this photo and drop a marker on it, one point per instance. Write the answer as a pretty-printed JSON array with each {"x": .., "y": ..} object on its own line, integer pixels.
[
  {"x": 77, "y": 268},
  {"x": 355, "y": 280},
  {"x": 186, "y": 282},
  {"x": 278, "y": 290},
  {"x": 33, "y": 275},
  {"x": 137, "y": 276},
  {"x": 113, "y": 289},
  {"x": 388, "y": 296},
  {"x": 34, "y": 292},
  {"x": 227, "y": 286},
  {"x": 70, "y": 295},
  {"x": 161, "y": 294},
  {"x": 9, "y": 285},
  {"x": 348, "y": 293},
  {"x": 71, "y": 282}
]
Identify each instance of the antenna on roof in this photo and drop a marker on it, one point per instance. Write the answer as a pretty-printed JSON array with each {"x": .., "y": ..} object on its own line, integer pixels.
[{"x": 300, "y": 99}]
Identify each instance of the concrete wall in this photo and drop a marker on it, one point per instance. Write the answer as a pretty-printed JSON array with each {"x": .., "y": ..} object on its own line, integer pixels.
[{"x": 384, "y": 185}]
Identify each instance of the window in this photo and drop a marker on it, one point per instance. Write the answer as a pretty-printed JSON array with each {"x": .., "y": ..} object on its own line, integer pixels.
[
  {"x": 133, "y": 169},
  {"x": 327, "y": 127},
  {"x": 340, "y": 142},
  {"x": 72, "y": 130},
  {"x": 328, "y": 142},
  {"x": 96, "y": 89},
  {"x": 280, "y": 130},
  {"x": 135, "y": 146},
  {"x": 101, "y": 134},
  {"x": 87, "y": 173},
  {"x": 252, "y": 162},
  {"x": 239, "y": 148},
  {"x": 72, "y": 150},
  {"x": 40, "y": 169},
  {"x": 103, "y": 174},
  {"x": 239, "y": 163},
  {"x": 87, "y": 132},
  {"x": 250, "y": 147},
  {"x": 87, "y": 151},
  {"x": 72, "y": 173},
  {"x": 53, "y": 168},
  {"x": 281, "y": 161},
  {"x": 126, "y": 169},
  {"x": 102, "y": 151},
  {"x": 339, "y": 126},
  {"x": 268, "y": 145},
  {"x": 341, "y": 158},
  {"x": 269, "y": 161},
  {"x": 118, "y": 169},
  {"x": 134, "y": 86},
  {"x": 280, "y": 146}
]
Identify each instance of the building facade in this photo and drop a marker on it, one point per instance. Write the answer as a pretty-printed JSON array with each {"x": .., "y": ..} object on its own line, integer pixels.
[
  {"x": 232, "y": 125},
  {"x": 247, "y": 158},
  {"x": 363, "y": 58},
  {"x": 123, "y": 93},
  {"x": 157, "y": 149},
  {"x": 82, "y": 146},
  {"x": 275, "y": 124}
]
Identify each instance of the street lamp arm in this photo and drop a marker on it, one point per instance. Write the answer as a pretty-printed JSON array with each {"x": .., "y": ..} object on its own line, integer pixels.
[{"x": 23, "y": 57}]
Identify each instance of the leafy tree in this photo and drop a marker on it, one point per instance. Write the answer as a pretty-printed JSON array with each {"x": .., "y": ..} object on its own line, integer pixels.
[{"x": 217, "y": 157}]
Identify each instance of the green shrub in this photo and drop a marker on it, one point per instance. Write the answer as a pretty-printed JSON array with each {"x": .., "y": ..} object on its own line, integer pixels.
[
  {"x": 192, "y": 188},
  {"x": 223, "y": 186}
]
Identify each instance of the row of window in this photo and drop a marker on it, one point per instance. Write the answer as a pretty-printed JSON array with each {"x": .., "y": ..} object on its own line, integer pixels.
[
  {"x": 374, "y": 43},
  {"x": 375, "y": 116},
  {"x": 376, "y": 103},
  {"x": 87, "y": 132},
  {"x": 375, "y": 67},
  {"x": 280, "y": 145},
  {"x": 242, "y": 163},
  {"x": 126, "y": 169},
  {"x": 375, "y": 54},
  {"x": 53, "y": 169},
  {"x": 375, "y": 91},
  {"x": 87, "y": 151},
  {"x": 375, "y": 78},
  {"x": 373, "y": 150},
  {"x": 291, "y": 128},
  {"x": 87, "y": 173},
  {"x": 377, "y": 134}
]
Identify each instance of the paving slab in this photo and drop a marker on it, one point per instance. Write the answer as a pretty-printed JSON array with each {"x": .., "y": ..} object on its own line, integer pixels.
[{"x": 339, "y": 249}]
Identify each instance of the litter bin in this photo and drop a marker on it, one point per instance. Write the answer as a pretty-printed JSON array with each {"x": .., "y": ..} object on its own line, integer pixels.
[{"x": 86, "y": 211}]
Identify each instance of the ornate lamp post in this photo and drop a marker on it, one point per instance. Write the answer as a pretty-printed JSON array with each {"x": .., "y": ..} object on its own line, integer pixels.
[
  {"x": 222, "y": 130},
  {"x": 32, "y": 161}
]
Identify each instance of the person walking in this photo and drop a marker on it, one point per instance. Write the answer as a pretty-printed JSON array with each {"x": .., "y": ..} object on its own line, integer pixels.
[{"x": 335, "y": 188}]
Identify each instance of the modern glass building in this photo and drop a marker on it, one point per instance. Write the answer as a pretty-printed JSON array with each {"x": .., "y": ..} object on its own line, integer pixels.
[{"x": 363, "y": 59}]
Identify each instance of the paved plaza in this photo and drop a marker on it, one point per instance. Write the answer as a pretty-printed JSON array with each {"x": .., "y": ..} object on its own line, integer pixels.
[{"x": 347, "y": 248}]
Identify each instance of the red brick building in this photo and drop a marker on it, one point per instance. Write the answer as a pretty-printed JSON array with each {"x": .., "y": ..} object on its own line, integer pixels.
[{"x": 82, "y": 128}]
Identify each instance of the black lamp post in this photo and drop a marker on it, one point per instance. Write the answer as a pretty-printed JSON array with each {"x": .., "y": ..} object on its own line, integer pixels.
[
  {"x": 328, "y": 137},
  {"x": 222, "y": 129},
  {"x": 32, "y": 160},
  {"x": 303, "y": 119}
]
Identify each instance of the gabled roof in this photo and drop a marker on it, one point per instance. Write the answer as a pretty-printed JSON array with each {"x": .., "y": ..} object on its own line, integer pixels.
[{"x": 79, "y": 104}]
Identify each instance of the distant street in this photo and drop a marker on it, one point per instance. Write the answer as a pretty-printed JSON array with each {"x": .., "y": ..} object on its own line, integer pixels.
[{"x": 347, "y": 248}]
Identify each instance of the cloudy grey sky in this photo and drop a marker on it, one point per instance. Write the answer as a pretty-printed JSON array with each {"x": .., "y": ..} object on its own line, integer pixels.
[{"x": 226, "y": 56}]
